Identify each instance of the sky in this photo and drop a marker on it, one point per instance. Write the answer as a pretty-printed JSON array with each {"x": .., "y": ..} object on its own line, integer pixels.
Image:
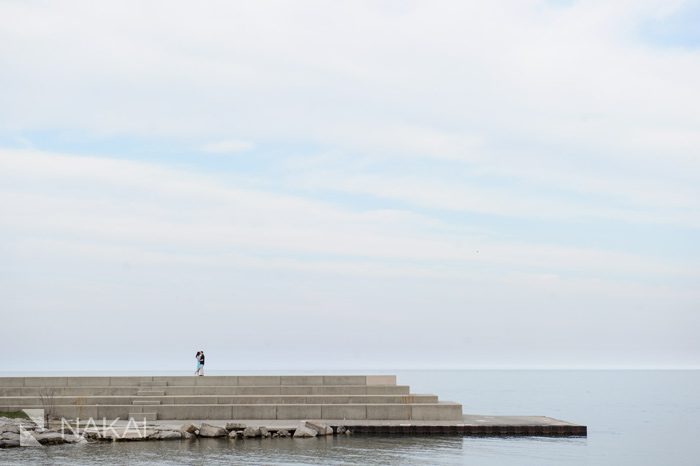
[{"x": 297, "y": 185}]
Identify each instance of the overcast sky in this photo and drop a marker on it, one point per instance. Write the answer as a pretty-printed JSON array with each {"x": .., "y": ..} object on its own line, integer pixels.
[{"x": 381, "y": 184}]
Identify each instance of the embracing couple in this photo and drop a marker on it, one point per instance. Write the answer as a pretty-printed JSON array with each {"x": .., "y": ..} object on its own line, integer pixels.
[{"x": 200, "y": 363}]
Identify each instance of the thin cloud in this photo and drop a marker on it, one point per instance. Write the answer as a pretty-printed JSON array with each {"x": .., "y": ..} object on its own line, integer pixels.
[{"x": 230, "y": 146}]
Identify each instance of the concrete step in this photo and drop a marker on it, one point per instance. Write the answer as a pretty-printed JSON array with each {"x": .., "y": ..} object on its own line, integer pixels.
[
  {"x": 146, "y": 402},
  {"x": 143, "y": 417},
  {"x": 150, "y": 393},
  {"x": 215, "y": 390},
  {"x": 228, "y": 380},
  {"x": 444, "y": 411},
  {"x": 222, "y": 399},
  {"x": 155, "y": 383}
]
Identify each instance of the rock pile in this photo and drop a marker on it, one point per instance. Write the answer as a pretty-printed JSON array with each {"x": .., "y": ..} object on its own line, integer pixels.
[{"x": 10, "y": 433}]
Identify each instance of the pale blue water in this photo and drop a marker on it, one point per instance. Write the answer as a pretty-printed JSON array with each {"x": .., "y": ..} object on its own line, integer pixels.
[{"x": 633, "y": 418}]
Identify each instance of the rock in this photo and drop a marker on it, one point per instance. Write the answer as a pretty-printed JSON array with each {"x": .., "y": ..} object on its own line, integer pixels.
[
  {"x": 275, "y": 435},
  {"x": 187, "y": 435},
  {"x": 321, "y": 429},
  {"x": 9, "y": 443},
  {"x": 10, "y": 428},
  {"x": 189, "y": 428},
  {"x": 251, "y": 432},
  {"x": 207, "y": 430},
  {"x": 283, "y": 433},
  {"x": 128, "y": 436},
  {"x": 304, "y": 432},
  {"x": 264, "y": 433},
  {"x": 233, "y": 434},
  {"x": 348, "y": 432},
  {"x": 135, "y": 436},
  {"x": 167, "y": 435},
  {"x": 235, "y": 426},
  {"x": 340, "y": 430},
  {"x": 72, "y": 438},
  {"x": 49, "y": 438},
  {"x": 92, "y": 434},
  {"x": 9, "y": 436}
]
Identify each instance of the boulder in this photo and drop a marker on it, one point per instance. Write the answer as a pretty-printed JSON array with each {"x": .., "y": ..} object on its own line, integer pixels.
[
  {"x": 264, "y": 433},
  {"x": 234, "y": 434},
  {"x": 129, "y": 435},
  {"x": 9, "y": 443},
  {"x": 167, "y": 435},
  {"x": 92, "y": 434},
  {"x": 340, "y": 430},
  {"x": 304, "y": 432},
  {"x": 10, "y": 428},
  {"x": 251, "y": 432},
  {"x": 283, "y": 433},
  {"x": 207, "y": 430},
  {"x": 235, "y": 426},
  {"x": 49, "y": 438},
  {"x": 72, "y": 438},
  {"x": 187, "y": 435},
  {"x": 9, "y": 436},
  {"x": 321, "y": 429},
  {"x": 189, "y": 428}
]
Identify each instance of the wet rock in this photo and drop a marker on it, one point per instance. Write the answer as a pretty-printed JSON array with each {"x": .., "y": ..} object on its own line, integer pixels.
[
  {"x": 49, "y": 438},
  {"x": 189, "y": 428},
  {"x": 9, "y": 443},
  {"x": 188, "y": 436},
  {"x": 9, "y": 436},
  {"x": 304, "y": 432},
  {"x": 340, "y": 430},
  {"x": 321, "y": 429},
  {"x": 10, "y": 428},
  {"x": 167, "y": 435},
  {"x": 283, "y": 433},
  {"x": 235, "y": 426},
  {"x": 128, "y": 436},
  {"x": 91, "y": 434},
  {"x": 264, "y": 433},
  {"x": 207, "y": 430},
  {"x": 251, "y": 432},
  {"x": 72, "y": 438}
]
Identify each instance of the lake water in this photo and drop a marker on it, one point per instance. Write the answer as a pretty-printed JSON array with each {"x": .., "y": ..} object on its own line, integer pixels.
[{"x": 633, "y": 417}]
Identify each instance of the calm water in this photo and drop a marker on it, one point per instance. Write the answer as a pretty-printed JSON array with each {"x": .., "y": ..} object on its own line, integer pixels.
[{"x": 633, "y": 418}]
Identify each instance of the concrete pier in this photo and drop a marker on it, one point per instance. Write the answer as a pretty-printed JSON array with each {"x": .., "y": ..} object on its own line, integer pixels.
[{"x": 371, "y": 404}]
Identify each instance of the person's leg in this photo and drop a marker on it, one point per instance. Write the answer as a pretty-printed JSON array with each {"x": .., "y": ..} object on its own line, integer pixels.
[{"x": 201, "y": 370}]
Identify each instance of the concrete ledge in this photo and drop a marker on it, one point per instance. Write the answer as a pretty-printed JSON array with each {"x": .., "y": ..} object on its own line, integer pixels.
[
  {"x": 213, "y": 390},
  {"x": 344, "y": 412},
  {"x": 344, "y": 380},
  {"x": 433, "y": 412},
  {"x": 298, "y": 412},
  {"x": 259, "y": 380},
  {"x": 381, "y": 380},
  {"x": 445, "y": 411},
  {"x": 301, "y": 380}
]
